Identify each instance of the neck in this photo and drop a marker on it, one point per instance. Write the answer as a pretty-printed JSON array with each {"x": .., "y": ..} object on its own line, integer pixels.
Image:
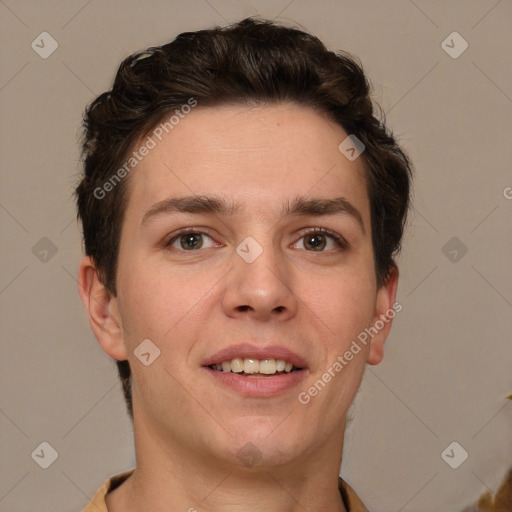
[{"x": 188, "y": 480}]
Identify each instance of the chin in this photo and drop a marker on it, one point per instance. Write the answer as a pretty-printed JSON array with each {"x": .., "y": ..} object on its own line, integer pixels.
[
  {"x": 266, "y": 449},
  {"x": 254, "y": 457}
]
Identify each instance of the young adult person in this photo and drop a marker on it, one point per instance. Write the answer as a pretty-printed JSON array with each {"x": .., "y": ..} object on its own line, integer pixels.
[{"x": 241, "y": 206}]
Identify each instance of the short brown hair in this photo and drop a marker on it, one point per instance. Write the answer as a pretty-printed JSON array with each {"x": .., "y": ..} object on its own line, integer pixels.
[{"x": 250, "y": 61}]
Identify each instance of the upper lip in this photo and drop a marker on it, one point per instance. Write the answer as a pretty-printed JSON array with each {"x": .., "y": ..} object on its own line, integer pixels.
[{"x": 246, "y": 350}]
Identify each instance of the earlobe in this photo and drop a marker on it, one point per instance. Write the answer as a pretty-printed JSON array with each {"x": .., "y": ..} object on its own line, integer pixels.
[
  {"x": 385, "y": 310},
  {"x": 102, "y": 310}
]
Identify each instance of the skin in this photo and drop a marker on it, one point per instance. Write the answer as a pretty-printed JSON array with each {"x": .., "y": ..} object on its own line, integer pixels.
[{"x": 188, "y": 428}]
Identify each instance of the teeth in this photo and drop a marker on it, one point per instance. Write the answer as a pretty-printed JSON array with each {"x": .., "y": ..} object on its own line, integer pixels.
[
  {"x": 268, "y": 366},
  {"x": 252, "y": 366},
  {"x": 237, "y": 365}
]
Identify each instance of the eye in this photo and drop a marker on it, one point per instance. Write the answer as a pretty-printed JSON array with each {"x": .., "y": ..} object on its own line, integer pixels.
[
  {"x": 316, "y": 240},
  {"x": 189, "y": 240}
]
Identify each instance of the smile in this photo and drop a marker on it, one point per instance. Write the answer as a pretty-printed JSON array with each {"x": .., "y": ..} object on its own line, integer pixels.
[{"x": 254, "y": 367}]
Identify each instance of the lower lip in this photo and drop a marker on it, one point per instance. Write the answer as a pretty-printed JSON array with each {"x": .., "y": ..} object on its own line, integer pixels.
[{"x": 258, "y": 386}]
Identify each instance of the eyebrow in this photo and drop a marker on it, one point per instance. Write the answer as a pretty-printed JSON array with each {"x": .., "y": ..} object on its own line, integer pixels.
[{"x": 225, "y": 207}]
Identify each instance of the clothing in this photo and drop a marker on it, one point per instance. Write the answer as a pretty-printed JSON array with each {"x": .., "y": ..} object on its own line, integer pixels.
[{"x": 350, "y": 498}]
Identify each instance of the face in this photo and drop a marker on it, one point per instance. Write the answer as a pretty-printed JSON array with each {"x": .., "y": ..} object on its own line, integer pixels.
[{"x": 253, "y": 274}]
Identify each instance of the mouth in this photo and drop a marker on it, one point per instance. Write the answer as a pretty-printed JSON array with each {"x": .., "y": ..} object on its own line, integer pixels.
[
  {"x": 249, "y": 367},
  {"x": 259, "y": 372}
]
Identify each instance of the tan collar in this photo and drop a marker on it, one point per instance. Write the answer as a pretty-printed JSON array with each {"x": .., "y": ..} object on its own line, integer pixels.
[{"x": 350, "y": 498}]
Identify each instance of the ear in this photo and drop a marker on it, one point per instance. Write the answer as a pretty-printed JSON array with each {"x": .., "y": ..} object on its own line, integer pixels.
[
  {"x": 102, "y": 309},
  {"x": 385, "y": 310}
]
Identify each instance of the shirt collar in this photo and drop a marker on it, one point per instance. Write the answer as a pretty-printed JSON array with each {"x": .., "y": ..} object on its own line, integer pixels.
[{"x": 350, "y": 499}]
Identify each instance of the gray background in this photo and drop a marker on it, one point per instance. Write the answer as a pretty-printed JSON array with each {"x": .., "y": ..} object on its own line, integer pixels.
[{"x": 447, "y": 365}]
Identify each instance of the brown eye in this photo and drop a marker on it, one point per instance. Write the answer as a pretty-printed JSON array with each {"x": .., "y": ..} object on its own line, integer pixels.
[
  {"x": 191, "y": 241},
  {"x": 317, "y": 240},
  {"x": 188, "y": 241}
]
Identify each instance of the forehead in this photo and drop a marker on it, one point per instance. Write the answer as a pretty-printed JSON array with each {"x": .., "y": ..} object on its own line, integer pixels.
[{"x": 258, "y": 156}]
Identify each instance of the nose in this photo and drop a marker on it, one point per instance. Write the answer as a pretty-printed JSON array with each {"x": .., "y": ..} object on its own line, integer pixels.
[{"x": 261, "y": 289}]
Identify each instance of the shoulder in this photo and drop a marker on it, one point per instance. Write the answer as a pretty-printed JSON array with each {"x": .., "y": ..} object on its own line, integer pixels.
[
  {"x": 97, "y": 504},
  {"x": 350, "y": 498}
]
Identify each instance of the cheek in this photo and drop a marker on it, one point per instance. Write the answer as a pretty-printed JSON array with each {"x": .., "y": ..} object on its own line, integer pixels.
[
  {"x": 159, "y": 304},
  {"x": 147, "y": 304},
  {"x": 344, "y": 302}
]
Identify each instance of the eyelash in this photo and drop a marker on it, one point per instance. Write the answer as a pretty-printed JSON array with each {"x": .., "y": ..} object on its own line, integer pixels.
[{"x": 338, "y": 239}]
